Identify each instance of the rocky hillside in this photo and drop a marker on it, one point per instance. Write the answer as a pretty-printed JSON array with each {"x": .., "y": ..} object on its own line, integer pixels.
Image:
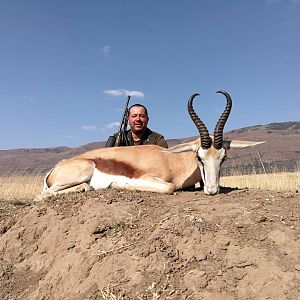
[{"x": 280, "y": 152}]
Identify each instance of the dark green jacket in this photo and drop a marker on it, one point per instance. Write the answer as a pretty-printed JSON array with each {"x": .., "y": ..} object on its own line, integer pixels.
[{"x": 149, "y": 138}]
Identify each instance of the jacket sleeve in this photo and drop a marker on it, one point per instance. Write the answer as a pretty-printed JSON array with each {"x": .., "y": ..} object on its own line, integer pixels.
[
  {"x": 162, "y": 142},
  {"x": 111, "y": 141}
]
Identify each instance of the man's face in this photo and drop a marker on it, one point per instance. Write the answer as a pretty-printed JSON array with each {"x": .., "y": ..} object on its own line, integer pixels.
[{"x": 138, "y": 119}]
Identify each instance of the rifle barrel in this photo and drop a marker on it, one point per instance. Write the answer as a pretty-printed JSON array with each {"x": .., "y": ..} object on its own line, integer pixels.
[
  {"x": 121, "y": 138},
  {"x": 124, "y": 115}
]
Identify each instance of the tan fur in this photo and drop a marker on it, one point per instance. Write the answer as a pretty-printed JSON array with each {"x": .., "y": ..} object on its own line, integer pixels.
[
  {"x": 164, "y": 171},
  {"x": 145, "y": 168}
]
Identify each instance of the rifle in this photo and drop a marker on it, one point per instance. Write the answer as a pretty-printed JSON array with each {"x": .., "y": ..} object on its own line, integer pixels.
[{"x": 120, "y": 139}]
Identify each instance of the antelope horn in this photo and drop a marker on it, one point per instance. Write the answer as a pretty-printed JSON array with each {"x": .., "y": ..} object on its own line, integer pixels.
[
  {"x": 218, "y": 134},
  {"x": 204, "y": 135}
]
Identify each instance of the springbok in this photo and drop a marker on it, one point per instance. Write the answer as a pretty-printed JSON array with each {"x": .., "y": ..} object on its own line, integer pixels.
[{"x": 149, "y": 167}]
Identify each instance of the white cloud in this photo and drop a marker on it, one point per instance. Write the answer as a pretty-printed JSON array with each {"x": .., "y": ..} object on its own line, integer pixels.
[
  {"x": 114, "y": 93},
  {"x": 136, "y": 94},
  {"x": 108, "y": 126},
  {"x": 113, "y": 125},
  {"x": 29, "y": 99},
  {"x": 89, "y": 127},
  {"x": 123, "y": 92},
  {"x": 106, "y": 50}
]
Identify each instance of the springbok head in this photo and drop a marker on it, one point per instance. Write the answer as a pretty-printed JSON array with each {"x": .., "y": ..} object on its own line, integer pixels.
[{"x": 211, "y": 149}]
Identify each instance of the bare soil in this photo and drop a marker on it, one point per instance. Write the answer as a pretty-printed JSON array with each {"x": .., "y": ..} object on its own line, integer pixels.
[{"x": 111, "y": 244}]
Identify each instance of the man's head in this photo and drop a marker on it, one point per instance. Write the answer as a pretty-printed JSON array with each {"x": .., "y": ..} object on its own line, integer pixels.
[{"x": 138, "y": 118}]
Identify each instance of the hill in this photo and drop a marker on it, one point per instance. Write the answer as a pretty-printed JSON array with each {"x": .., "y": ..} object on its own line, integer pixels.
[{"x": 281, "y": 151}]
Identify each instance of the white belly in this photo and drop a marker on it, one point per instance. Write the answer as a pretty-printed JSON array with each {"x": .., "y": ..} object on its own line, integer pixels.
[{"x": 101, "y": 180}]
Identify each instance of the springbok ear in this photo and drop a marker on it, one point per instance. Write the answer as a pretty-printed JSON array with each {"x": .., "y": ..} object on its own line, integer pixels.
[
  {"x": 191, "y": 146},
  {"x": 238, "y": 144}
]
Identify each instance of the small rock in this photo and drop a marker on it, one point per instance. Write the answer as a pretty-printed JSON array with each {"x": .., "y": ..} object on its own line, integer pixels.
[{"x": 297, "y": 267}]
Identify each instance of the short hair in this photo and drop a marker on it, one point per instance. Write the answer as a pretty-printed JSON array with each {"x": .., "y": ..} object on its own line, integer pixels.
[{"x": 138, "y": 105}]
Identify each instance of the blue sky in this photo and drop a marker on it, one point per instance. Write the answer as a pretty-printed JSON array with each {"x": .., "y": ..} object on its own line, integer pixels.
[{"x": 66, "y": 66}]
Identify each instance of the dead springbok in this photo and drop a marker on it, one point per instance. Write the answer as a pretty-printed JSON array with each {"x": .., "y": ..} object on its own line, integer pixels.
[{"x": 149, "y": 167}]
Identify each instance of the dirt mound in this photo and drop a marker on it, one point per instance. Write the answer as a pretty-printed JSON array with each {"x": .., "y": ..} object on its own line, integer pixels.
[{"x": 110, "y": 244}]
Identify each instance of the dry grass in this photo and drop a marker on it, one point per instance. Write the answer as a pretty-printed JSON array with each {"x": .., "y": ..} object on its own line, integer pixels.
[
  {"x": 19, "y": 187},
  {"x": 275, "y": 181},
  {"x": 108, "y": 294}
]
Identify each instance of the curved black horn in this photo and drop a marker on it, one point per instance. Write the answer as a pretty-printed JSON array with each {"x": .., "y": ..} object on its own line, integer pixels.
[
  {"x": 205, "y": 139},
  {"x": 218, "y": 134}
]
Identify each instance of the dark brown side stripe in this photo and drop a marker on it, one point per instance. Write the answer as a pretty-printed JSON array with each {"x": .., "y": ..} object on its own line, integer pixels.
[{"x": 115, "y": 167}]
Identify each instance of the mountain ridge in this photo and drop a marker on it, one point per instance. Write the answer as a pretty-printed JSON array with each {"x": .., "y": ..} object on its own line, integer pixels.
[{"x": 282, "y": 145}]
